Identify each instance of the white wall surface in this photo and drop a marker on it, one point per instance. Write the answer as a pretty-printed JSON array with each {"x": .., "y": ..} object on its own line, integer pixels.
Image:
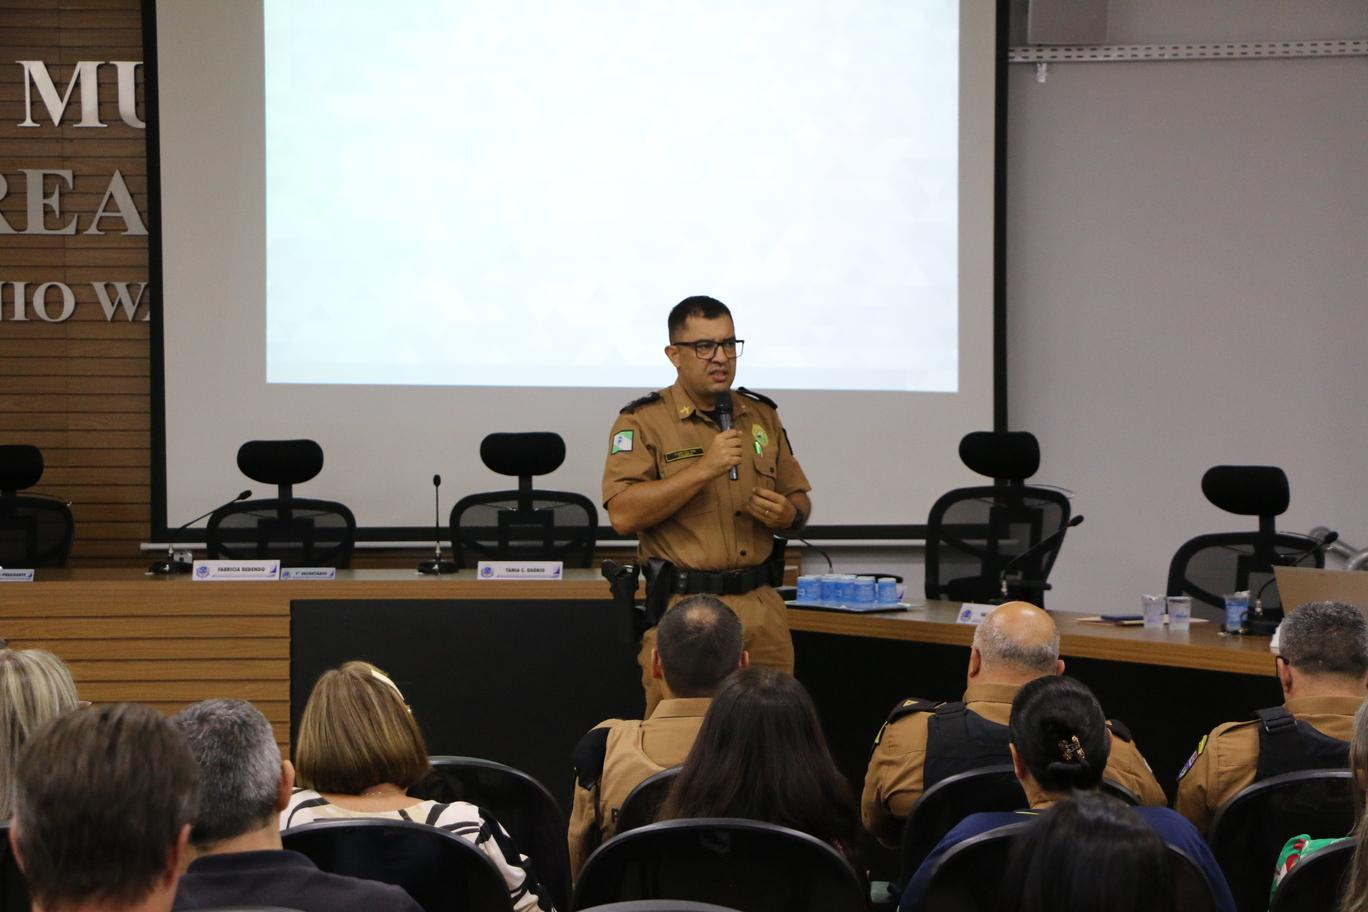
[{"x": 1188, "y": 282}]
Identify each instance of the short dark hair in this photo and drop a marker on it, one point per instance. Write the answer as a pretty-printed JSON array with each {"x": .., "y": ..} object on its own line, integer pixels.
[
  {"x": 700, "y": 641},
  {"x": 1088, "y": 851},
  {"x": 695, "y": 306},
  {"x": 1325, "y": 638},
  {"x": 103, "y": 794},
  {"x": 240, "y": 769},
  {"x": 1060, "y": 733}
]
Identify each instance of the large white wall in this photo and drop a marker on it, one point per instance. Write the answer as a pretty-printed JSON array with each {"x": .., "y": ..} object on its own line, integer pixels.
[{"x": 1188, "y": 282}]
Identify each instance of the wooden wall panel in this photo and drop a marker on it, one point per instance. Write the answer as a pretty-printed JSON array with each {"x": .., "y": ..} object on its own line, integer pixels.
[{"x": 80, "y": 389}]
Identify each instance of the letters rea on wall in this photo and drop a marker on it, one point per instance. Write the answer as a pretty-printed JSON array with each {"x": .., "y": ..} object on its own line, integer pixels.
[{"x": 54, "y": 302}]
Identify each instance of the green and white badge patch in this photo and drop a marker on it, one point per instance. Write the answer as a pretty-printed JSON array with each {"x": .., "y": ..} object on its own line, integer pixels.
[{"x": 622, "y": 442}]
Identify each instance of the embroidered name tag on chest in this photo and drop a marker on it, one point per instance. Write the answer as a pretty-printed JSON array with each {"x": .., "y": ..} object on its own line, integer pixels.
[{"x": 690, "y": 453}]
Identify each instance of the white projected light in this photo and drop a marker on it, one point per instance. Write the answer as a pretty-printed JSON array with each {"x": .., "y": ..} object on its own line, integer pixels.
[{"x": 478, "y": 196}]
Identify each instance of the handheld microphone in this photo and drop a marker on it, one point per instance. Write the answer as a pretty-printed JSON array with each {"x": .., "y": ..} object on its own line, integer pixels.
[
  {"x": 171, "y": 565},
  {"x": 724, "y": 420},
  {"x": 436, "y": 565},
  {"x": 1044, "y": 544}
]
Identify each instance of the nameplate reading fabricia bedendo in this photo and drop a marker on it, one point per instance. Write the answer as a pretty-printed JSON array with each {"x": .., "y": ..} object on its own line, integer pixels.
[
  {"x": 308, "y": 573},
  {"x": 973, "y": 613},
  {"x": 15, "y": 575},
  {"x": 518, "y": 570},
  {"x": 211, "y": 570}
]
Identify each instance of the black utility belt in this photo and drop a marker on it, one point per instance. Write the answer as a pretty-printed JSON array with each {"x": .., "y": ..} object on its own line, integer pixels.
[{"x": 721, "y": 582}]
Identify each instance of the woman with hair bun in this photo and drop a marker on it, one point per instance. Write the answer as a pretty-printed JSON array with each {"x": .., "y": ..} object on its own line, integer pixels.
[{"x": 1060, "y": 744}]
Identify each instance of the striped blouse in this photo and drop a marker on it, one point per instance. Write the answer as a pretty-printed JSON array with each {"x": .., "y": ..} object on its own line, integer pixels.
[{"x": 473, "y": 824}]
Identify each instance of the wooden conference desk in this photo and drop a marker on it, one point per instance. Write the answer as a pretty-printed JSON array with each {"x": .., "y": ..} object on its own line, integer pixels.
[{"x": 567, "y": 654}]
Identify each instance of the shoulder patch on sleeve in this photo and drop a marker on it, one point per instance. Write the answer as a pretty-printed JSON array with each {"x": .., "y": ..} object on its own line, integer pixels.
[
  {"x": 752, "y": 394},
  {"x": 587, "y": 757},
  {"x": 1201, "y": 746},
  {"x": 1120, "y": 730},
  {"x": 638, "y": 403}
]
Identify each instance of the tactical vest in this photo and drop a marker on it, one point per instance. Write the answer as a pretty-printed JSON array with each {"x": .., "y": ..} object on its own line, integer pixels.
[
  {"x": 1287, "y": 745},
  {"x": 958, "y": 741}
]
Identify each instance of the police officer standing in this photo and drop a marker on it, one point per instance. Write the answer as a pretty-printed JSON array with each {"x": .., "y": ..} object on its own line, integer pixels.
[{"x": 668, "y": 478}]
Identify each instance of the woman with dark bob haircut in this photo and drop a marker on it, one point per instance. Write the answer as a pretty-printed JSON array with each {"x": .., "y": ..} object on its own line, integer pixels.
[
  {"x": 760, "y": 755},
  {"x": 1060, "y": 743},
  {"x": 359, "y": 750}
]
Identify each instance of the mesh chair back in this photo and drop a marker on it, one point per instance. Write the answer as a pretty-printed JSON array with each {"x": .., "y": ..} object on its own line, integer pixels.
[
  {"x": 441, "y": 871},
  {"x": 1208, "y": 566},
  {"x": 643, "y": 803},
  {"x": 972, "y": 534},
  {"x": 1317, "y": 883},
  {"x": 945, "y": 804},
  {"x": 14, "y": 895},
  {"x": 1250, "y": 829},
  {"x": 297, "y": 531},
  {"x": 968, "y": 877},
  {"x": 520, "y": 803},
  {"x": 741, "y": 864},
  {"x": 531, "y": 525},
  {"x": 35, "y": 531}
]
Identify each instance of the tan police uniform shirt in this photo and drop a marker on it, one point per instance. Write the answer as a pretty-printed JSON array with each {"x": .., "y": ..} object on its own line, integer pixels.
[
  {"x": 635, "y": 751},
  {"x": 1227, "y": 759},
  {"x": 893, "y": 782},
  {"x": 712, "y": 531}
]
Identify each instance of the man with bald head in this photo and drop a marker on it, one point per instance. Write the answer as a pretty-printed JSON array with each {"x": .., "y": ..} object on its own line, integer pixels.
[{"x": 924, "y": 742}]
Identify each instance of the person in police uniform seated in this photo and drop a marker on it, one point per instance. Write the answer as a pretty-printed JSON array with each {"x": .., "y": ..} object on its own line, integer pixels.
[
  {"x": 924, "y": 742},
  {"x": 699, "y": 643},
  {"x": 667, "y": 479},
  {"x": 1322, "y": 664}
]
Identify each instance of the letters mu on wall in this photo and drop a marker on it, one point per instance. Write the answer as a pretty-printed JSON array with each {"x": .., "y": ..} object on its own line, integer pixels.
[{"x": 74, "y": 341}]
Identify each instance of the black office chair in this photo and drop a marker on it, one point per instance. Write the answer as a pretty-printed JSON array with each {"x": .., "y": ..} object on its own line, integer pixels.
[
  {"x": 14, "y": 895},
  {"x": 35, "y": 531},
  {"x": 519, "y": 802},
  {"x": 643, "y": 803},
  {"x": 1210, "y": 566},
  {"x": 968, "y": 877},
  {"x": 1117, "y": 790},
  {"x": 945, "y": 804},
  {"x": 973, "y": 534},
  {"x": 1250, "y": 829},
  {"x": 441, "y": 871},
  {"x": 1317, "y": 883},
  {"x": 529, "y": 523},
  {"x": 299, "y": 532},
  {"x": 742, "y": 864}
]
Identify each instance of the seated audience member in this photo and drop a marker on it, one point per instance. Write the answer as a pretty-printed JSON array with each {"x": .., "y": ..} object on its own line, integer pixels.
[
  {"x": 698, "y": 643},
  {"x": 1322, "y": 665},
  {"x": 1087, "y": 853},
  {"x": 103, "y": 806},
  {"x": 760, "y": 754},
  {"x": 359, "y": 750},
  {"x": 34, "y": 687},
  {"x": 1301, "y": 846},
  {"x": 1059, "y": 745},
  {"x": 924, "y": 742},
  {"x": 239, "y": 862}
]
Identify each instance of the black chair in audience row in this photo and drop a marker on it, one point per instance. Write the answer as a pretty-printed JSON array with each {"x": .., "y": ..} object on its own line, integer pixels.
[
  {"x": 659, "y": 905},
  {"x": 35, "y": 531},
  {"x": 644, "y": 802},
  {"x": 1317, "y": 883}
]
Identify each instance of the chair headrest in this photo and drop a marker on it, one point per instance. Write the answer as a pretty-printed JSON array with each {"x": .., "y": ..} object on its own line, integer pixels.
[
  {"x": 519, "y": 455},
  {"x": 1247, "y": 490},
  {"x": 21, "y": 465},
  {"x": 1013, "y": 455},
  {"x": 280, "y": 462}
]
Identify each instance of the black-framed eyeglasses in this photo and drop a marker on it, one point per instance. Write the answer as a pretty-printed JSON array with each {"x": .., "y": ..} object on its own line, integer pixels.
[{"x": 706, "y": 348}]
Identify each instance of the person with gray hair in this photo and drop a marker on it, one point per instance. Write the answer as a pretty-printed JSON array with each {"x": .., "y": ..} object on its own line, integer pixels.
[
  {"x": 235, "y": 834},
  {"x": 1322, "y": 666},
  {"x": 924, "y": 742}
]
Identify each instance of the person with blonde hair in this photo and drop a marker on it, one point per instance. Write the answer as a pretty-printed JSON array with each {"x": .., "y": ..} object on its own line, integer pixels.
[
  {"x": 35, "y": 686},
  {"x": 357, "y": 753}
]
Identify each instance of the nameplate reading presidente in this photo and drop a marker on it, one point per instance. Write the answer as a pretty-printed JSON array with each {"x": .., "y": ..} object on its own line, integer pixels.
[
  {"x": 519, "y": 570},
  {"x": 15, "y": 575},
  {"x": 973, "y": 613},
  {"x": 308, "y": 573},
  {"x": 235, "y": 570}
]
